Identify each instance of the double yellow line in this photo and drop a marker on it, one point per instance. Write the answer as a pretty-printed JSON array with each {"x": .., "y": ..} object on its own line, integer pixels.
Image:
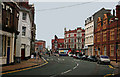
[
  {"x": 109, "y": 74},
  {"x": 26, "y": 68}
]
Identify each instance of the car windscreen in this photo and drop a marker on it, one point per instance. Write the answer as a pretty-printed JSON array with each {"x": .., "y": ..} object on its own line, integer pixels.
[{"x": 104, "y": 57}]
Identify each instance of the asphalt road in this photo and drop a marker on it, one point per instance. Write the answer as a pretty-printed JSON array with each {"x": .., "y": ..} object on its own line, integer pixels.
[{"x": 67, "y": 66}]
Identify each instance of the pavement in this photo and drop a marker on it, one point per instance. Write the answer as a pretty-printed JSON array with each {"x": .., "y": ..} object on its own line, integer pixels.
[
  {"x": 24, "y": 64},
  {"x": 116, "y": 67}
]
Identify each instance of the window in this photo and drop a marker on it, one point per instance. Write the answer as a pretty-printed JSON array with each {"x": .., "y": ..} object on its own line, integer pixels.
[
  {"x": 112, "y": 34},
  {"x": 24, "y": 16},
  {"x": 72, "y": 40},
  {"x": 118, "y": 50},
  {"x": 112, "y": 50},
  {"x": 98, "y": 37},
  {"x": 1, "y": 45},
  {"x": 118, "y": 34},
  {"x": 104, "y": 36},
  {"x": 104, "y": 50},
  {"x": 7, "y": 21},
  {"x": 23, "y": 31}
]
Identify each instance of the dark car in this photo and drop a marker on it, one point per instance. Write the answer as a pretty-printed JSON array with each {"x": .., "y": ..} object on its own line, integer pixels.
[
  {"x": 84, "y": 57},
  {"x": 79, "y": 57},
  {"x": 74, "y": 56},
  {"x": 92, "y": 58}
]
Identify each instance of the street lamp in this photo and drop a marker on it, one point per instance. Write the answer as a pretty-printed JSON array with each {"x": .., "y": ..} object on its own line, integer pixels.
[{"x": 116, "y": 38}]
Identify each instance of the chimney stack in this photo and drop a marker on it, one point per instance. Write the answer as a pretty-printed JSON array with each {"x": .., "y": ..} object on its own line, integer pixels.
[{"x": 113, "y": 12}]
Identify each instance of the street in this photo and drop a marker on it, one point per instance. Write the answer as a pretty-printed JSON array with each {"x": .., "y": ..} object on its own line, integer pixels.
[{"x": 64, "y": 65}]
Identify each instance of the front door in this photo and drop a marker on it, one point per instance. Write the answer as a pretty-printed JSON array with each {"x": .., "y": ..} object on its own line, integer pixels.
[
  {"x": 22, "y": 54},
  {"x": 8, "y": 54}
]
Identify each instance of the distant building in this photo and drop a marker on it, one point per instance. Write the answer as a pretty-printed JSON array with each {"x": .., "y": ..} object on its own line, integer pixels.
[
  {"x": 107, "y": 35},
  {"x": 57, "y": 43},
  {"x": 89, "y": 36},
  {"x": 74, "y": 39},
  {"x": 8, "y": 31},
  {"x": 40, "y": 44}
]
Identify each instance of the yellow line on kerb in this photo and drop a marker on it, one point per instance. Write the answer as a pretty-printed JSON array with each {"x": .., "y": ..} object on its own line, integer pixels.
[
  {"x": 27, "y": 68},
  {"x": 110, "y": 66},
  {"x": 108, "y": 75}
]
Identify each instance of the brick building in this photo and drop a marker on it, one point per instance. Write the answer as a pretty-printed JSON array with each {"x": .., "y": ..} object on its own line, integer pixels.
[
  {"x": 57, "y": 43},
  {"x": 40, "y": 44},
  {"x": 8, "y": 31},
  {"x": 74, "y": 39},
  {"x": 107, "y": 34}
]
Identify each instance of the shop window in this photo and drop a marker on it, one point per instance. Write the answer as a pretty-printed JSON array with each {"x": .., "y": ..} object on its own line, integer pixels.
[
  {"x": 1, "y": 45},
  {"x": 8, "y": 41},
  {"x": 112, "y": 50}
]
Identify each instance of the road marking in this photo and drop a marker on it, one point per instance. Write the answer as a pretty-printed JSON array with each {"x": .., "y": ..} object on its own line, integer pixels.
[
  {"x": 66, "y": 71},
  {"x": 26, "y": 68},
  {"x": 109, "y": 75},
  {"x": 111, "y": 66},
  {"x": 70, "y": 69},
  {"x": 76, "y": 66}
]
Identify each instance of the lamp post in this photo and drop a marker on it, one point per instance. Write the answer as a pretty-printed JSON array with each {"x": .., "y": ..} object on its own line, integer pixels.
[{"x": 116, "y": 38}]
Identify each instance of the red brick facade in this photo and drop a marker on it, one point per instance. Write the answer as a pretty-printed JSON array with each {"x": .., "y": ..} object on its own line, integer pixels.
[
  {"x": 40, "y": 44},
  {"x": 74, "y": 39},
  {"x": 57, "y": 43},
  {"x": 107, "y": 35}
]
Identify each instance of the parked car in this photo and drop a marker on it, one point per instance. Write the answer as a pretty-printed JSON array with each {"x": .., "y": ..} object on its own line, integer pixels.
[
  {"x": 92, "y": 58},
  {"x": 103, "y": 59},
  {"x": 74, "y": 56},
  {"x": 56, "y": 54},
  {"x": 84, "y": 57},
  {"x": 70, "y": 54},
  {"x": 79, "y": 57}
]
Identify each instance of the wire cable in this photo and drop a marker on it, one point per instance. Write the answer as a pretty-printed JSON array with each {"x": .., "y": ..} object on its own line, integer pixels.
[{"x": 66, "y": 6}]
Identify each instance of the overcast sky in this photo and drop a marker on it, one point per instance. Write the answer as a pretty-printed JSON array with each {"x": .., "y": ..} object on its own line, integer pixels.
[{"x": 52, "y": 22}]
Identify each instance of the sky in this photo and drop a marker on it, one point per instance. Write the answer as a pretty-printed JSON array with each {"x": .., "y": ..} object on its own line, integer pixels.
[{"x": 50, "y": 21}]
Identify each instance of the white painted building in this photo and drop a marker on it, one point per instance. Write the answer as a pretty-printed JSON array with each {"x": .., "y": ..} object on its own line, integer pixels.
[
  {"x": 89, "y": 35},
  {"x": 24, "y": 38}
]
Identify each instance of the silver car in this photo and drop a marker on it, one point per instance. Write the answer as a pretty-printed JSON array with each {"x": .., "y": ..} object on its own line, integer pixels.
[{"x": 103, "y": 59}]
